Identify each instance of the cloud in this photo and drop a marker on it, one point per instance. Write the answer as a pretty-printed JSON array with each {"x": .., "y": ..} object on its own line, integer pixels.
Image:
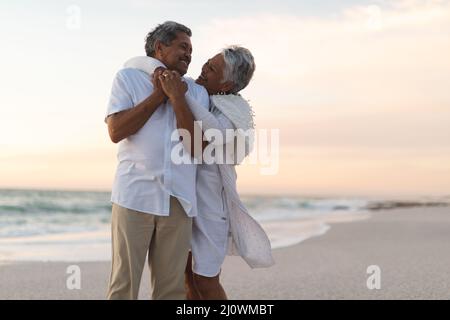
[
  {"x": 382, "y": 56},
  {"x": 361, "y": 97}
]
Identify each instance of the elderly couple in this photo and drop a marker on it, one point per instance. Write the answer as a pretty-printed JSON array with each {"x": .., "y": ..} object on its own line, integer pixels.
[{"x": 183, "y": 217}]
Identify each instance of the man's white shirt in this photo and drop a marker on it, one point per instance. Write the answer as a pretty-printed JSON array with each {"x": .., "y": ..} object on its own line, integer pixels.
[{"x": 145, "y": 176}]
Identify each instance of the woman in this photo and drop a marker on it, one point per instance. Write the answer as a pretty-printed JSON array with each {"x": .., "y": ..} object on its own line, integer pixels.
[{"x": 220, "y": 211}]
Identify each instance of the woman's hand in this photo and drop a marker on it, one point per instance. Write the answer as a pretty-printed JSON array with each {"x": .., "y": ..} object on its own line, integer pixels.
[
  {"x": 158, "y": 91},
  {"x": 172, "y": 84}
]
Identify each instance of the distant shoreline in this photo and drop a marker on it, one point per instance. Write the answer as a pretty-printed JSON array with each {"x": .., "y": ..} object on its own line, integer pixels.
[{"x": 390, "y": 197}]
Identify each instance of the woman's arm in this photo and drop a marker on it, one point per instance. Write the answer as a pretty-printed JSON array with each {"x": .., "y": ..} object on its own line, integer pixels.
[
  {"x": 188, "y": 112},
  {"x": 176, "y": 89},
  {"x": 211, "y": 120}
]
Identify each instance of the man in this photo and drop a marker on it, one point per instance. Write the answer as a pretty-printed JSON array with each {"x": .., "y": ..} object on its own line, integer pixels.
[{"x": 153, "y": 198}]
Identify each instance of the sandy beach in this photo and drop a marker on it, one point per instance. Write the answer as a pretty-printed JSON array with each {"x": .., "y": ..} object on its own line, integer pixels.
[{"x": 410, "y": 246}]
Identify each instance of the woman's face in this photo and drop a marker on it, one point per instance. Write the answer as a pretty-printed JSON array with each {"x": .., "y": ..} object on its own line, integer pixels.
[{"x": 212, "y": 75}]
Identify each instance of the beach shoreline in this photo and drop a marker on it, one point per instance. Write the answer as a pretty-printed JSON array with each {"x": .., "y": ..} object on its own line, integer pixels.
[{"x": 410, "y": 246}]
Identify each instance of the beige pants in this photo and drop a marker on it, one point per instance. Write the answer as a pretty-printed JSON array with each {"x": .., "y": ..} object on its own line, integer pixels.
[{"x": 167, "y": 241}]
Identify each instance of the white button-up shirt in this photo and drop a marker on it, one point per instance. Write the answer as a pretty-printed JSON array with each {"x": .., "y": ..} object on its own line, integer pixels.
[{"x": 146, "y": 177}]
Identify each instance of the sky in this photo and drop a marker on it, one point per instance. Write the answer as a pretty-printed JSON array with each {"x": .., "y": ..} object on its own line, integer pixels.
[{"x": 358, "y": 90}]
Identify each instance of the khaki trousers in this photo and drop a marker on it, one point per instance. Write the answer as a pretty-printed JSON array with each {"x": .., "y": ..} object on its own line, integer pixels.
[{"x": 167, "y": 241}]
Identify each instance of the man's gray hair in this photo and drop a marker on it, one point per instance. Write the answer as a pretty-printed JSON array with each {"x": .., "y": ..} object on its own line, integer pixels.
[
  {"x": 166, "y": 33},
  {"x": 239, "y": 66}
]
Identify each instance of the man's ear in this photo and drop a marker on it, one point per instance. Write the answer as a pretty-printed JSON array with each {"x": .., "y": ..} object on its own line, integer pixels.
[
  {"x": 158, "y": 48},
  {"x": 227, "y": 86}
]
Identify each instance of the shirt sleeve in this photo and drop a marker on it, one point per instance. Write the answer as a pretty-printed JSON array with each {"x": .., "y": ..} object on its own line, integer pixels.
[
  {"x": 211, "y": 120},
  {"x": 120, "y": 98}
]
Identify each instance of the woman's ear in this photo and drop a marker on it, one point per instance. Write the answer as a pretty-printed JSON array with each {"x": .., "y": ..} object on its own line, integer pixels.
[{"x": 227, "y": 86}]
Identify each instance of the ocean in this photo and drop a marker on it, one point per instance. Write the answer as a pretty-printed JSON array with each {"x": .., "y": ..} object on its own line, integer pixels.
[{"x": 39, "y": 225}]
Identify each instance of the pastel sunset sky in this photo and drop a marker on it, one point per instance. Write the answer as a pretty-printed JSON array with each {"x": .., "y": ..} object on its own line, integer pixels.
[{"x": 359, "y": 90}]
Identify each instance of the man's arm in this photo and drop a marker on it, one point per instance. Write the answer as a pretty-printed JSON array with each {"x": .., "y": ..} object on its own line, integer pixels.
[{"x": 126, "y": 123}]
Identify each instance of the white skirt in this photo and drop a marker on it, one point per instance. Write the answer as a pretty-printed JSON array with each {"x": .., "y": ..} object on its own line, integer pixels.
[{"x": 211, "y": 226}]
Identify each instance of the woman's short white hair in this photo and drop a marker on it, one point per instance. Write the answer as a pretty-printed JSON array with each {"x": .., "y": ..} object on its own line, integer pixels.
[{"x": 239, "y": 66}]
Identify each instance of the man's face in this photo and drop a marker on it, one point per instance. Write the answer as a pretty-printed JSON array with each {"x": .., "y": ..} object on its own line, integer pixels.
[{"x": 177, "y": 55}]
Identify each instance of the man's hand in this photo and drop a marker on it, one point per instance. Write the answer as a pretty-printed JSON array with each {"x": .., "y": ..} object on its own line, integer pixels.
[
  {"x": 157, "y": 88},
  {"x": 172, "y": 84}
]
